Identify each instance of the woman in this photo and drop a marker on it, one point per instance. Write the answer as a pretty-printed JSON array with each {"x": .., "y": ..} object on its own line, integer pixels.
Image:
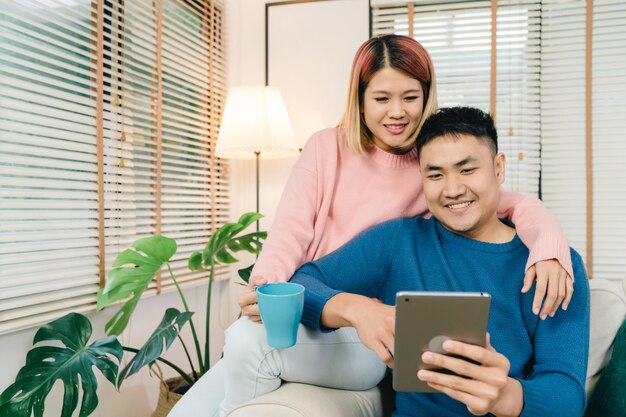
[{"x": 347, "y": 179}]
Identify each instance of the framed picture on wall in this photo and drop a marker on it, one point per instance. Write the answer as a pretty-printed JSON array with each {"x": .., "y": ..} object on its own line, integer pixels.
[{"x": 310, "y": 45}]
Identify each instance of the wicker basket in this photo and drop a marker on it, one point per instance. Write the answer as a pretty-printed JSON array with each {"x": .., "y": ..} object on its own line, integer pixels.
[{"x": 167, "y": 397}]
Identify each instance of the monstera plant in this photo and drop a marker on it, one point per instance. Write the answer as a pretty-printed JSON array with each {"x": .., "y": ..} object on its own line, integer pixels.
[{"x": 133, "y": 270}]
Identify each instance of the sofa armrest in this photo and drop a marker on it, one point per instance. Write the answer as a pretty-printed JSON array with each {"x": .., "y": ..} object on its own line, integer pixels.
[{"x": 608, "y": 309}]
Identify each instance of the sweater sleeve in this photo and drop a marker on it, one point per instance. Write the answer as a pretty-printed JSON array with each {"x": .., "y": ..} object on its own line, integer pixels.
[
  {"x": 537, "y": 228},
  {"x": 291, "y": 233},
  {"x": 556, "y": 383},
  {"x": 348, "y": 269}
]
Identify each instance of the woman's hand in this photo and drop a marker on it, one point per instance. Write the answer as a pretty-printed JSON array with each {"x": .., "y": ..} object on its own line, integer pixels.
[
  {"x": 551, "y": 277},
  {"x": 248, "y": 299}
]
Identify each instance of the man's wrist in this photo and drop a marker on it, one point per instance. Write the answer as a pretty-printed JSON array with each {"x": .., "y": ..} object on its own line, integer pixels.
[
  {"x": 511, "y": 402},
  {"x": 342, "y": 310}
]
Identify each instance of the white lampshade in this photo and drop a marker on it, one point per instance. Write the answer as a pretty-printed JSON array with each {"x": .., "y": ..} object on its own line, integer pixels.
[{"x": 255, "y": 120}]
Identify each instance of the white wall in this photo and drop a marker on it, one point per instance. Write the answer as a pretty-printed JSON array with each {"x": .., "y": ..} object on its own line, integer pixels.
[{"x": 246, "y": 42}]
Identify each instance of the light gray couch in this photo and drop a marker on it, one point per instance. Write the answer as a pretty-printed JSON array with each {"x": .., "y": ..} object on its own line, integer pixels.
[{"x": 608, "y": 309}]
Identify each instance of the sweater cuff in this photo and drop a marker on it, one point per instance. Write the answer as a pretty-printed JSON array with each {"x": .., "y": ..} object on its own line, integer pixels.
[
  {"x": 545, "y": 249},
  {"x": 533, "y": 397},
  {"x": 316, "y": 295}
]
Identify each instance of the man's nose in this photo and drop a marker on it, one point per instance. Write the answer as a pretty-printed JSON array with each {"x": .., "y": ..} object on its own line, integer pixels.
[{"x": 454, "y": 187}]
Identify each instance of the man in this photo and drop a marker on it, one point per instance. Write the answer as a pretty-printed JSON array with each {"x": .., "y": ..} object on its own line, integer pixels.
[{"x": 530, "y": 367}]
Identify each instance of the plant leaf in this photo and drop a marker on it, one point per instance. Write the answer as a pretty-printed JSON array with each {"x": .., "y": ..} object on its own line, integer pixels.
[
  {"x": 195, "y": 262},
  {"x": 225, "y": 257},
  {"x": 247, "y": 219},
  {"x": 45, "y": 364},
  {"x": 252, "y": 242},
  {"x": 159, "y": 341},
  {"x": 245, "y": 273},
  {"x": 118, "y": 322},
  {"x": 132, "y": 271},
  {"x": 224, "y": 241},
  {"x": 219, "y": 238}
]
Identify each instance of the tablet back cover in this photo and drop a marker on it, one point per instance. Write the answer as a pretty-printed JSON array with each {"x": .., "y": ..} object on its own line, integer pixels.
[{"x": 424, "y": 320}]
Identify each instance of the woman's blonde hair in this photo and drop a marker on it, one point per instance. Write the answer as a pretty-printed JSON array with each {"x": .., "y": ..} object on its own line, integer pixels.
[{"x": 390, "y": 51}]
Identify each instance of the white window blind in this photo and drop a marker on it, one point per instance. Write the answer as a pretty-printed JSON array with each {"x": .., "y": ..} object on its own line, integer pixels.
[
  {"x": 48, "y": 194},
  {"x": 49, "y": 228},
  {"x": 540, "y": 82},
  {"x": 458, "y": 37},
  {"x": 563, "y": 117},
  {"x": 187, "y": 125}
]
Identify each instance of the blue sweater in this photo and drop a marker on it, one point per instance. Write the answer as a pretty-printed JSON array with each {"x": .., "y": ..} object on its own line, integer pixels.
[{"x": 549, "y": 357}]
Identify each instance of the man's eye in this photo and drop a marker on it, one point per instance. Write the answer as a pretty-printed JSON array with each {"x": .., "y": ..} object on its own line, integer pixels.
[
  {"x": 434, "y": 177},
  {"x": 468, "y": 170}
]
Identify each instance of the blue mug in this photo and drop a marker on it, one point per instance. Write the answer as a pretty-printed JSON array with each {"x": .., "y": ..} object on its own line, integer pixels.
[{"x": 281, "y": 305}]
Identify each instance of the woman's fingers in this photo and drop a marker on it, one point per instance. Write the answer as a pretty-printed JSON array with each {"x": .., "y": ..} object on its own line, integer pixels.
[
  {"x": 248, "y": 298},
  {"x": 553, "y": 289},
  {"x": 569, "y": 291},
  {"x": 529, "y": 277}
]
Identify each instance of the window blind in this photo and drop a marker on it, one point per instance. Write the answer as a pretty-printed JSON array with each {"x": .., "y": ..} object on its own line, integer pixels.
[
  {"x": 563, "y": 118},
  {"x": 49, "y": 200},
  {"x": 187, "y": 125},
  {"x": 48, "y": 193},
  {"x": 457, "y": 35},
  {"x": 540, "y": 82}
]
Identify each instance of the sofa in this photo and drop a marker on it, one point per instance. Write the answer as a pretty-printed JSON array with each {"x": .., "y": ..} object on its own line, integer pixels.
[{"x": 608, "y": 310}]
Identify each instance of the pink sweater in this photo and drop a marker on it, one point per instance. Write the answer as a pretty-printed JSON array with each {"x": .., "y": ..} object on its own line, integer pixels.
[{"x": 333, "y": 194}]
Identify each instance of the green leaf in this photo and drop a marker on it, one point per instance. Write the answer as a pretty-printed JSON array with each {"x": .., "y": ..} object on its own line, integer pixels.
[
  {"x": 195, "y": 261},
  {"x": 225, "y": 241},
  {"x": 132, "y": 271},
  {"x": 245, "y": 273},
  {"x": 160, "y": 340},
  {"x": 118, "y": 322},
  {"x": 223, "y": 256},
  {"x": 252, "y": 242},
  {"x": 219, "y": 238},
  {"x": 247, "y": 219},
  {"x": 45, "y": 364}
]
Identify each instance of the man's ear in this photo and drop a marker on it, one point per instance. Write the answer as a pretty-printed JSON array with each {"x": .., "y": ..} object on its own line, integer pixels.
[{"x": 499, "y": 165}]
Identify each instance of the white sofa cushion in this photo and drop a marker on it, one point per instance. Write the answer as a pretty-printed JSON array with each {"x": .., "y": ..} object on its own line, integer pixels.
[
  {"x": 302, "y": 400},
  {"x": 608, "y": 309}
]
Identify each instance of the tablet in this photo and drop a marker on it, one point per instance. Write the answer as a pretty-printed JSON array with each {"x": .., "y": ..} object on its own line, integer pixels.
[{"x": 424, "y": 320}]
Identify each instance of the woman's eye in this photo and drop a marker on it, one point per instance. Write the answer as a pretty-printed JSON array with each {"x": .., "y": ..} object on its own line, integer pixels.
[
  {"x": 411, "y": 98},
  {"x": 381, "y": 99}
]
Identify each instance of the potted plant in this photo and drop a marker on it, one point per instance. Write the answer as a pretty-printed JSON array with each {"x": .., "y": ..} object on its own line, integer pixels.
[{"x": 132, "y": 271}]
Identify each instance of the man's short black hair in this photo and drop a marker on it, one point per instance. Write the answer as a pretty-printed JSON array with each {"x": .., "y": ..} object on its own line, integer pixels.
[{"x": 457, "y": 121}]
